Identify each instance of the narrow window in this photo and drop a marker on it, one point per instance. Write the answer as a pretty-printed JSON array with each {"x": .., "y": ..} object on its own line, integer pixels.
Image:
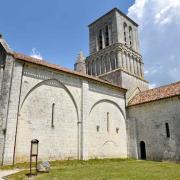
[
  {"x": 93, "y": 68},
  {"x": 52, "y": 120},
  {"x": 2, "y": 60},
  {"x": 117, "y": 130},
  {"x": 102, "y": 65},
  {"x": 107, "y": 63},
  {"x": 100, "y": 40},
  {"x": 125, "y": 38},
  {"x": 107, "y": 121},
  {"x": 90, "y": 67},
  {"x": 112, "y": 61},
  {"x": 97, "y": 128},
  {"x": 97, "y": 67},
  {"x": 167, "y": 130},
  {"x": 106, "y": 35},
  {"x": 130, "y": 36},
  {"x": 87, "y": 67}
]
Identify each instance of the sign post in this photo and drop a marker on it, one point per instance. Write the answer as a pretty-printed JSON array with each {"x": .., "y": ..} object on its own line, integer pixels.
[{"x": 33, "y": 153}]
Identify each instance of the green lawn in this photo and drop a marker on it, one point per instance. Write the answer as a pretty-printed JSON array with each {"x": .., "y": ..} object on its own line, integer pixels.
[{"x": 108, "y": 169}]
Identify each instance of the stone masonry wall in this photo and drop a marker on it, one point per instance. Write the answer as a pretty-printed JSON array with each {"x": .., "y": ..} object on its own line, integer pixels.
[
  {"x": 109, "y": 20},
  {"x": 105, "y": 136},
  {"x": 147, "y": 123},
  {"x": 5, "y": 102},
  {"x": 120, "y": 32},
  {"x": 41, "y": 89},
  {"x": 131, "y": 83},
  {"x": 61, "y": 111},
  {"x": 126, "y": 80},
  {"x": 12, "y": 112},
  {"x": 110, "y": 140}
]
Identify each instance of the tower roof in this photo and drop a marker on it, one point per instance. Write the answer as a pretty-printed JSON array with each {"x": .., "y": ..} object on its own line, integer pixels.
[
  {"x": 80, "y": 57},
  {"x": 111, "y": 11}
]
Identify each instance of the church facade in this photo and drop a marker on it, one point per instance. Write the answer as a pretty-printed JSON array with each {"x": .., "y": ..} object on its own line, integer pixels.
[{"x": 102, "y": 109}]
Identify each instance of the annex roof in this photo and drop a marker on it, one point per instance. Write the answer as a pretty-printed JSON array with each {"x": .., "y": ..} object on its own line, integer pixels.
[
  {"x": 155, "y": 94},
  {"x": 32, "y": 60}
]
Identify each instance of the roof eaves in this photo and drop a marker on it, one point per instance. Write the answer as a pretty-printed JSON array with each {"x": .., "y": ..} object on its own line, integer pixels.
[
  {"x": 145, "y": 102},
  {"x": 157, "y": 96},
  {"x": 32, "y": 60}
]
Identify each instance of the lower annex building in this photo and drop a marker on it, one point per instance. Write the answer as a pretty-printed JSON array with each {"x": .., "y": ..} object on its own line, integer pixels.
[{"x": 103, "y": 109}]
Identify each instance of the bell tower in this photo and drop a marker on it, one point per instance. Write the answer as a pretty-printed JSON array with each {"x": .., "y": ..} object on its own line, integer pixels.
[{"x": 114, "y": 52}]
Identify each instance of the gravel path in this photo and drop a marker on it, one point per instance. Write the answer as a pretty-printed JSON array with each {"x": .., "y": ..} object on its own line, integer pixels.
[{"x": 8, "y": 172}]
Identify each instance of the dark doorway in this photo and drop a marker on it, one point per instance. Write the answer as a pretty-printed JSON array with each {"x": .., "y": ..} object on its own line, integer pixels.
[{"x": 143, "y": 150}]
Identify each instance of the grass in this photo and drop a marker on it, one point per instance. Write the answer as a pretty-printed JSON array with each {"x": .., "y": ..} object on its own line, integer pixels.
[
  {"x": 18, "y": 165},
  {"x": 115, "y": 169}
]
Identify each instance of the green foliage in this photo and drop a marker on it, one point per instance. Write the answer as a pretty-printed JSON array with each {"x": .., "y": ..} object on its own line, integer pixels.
[{"x": 115, "y": 169}]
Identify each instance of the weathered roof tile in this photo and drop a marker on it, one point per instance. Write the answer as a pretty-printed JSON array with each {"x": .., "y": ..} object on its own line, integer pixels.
[{"x": 156, "y": 94}]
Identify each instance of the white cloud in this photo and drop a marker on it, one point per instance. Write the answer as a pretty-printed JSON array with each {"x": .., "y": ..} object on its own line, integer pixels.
[
  {"x": 152, "y": 86},
  {"x": 146, "y": 72},
  {"x": 159, "y": 27},
  {"x": 36, "y": 54}
]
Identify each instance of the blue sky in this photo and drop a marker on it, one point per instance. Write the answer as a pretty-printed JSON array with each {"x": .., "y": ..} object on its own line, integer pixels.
[{"x": 57, "y": 29}]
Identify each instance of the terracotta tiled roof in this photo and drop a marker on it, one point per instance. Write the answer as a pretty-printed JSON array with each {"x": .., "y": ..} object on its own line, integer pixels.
[
  {"x": 56, "y": 67},
  {"x": 156, "y": 94}
]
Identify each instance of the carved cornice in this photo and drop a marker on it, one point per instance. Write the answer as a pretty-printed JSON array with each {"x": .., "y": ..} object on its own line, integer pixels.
[{"x": 114, "y": 48}]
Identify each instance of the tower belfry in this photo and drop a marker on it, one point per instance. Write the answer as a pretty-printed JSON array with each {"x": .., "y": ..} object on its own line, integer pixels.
[{"x": 114, "y": 51}]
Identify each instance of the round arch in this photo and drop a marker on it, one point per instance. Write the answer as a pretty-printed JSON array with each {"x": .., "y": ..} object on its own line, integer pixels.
[
  {"x": 51, "y": 137},
  {"x": 109, "y": 101},
  {"x": 48, "y": 81},
  {"x": 107, "y": 142}
]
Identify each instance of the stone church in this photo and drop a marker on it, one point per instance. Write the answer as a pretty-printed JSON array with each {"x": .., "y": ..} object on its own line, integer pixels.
[{"x": 102, "y": 109}]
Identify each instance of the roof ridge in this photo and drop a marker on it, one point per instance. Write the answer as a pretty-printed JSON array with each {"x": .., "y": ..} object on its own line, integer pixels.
[
  {"x": 163, "y": 86},
  {"x": 155, "y": 94}
]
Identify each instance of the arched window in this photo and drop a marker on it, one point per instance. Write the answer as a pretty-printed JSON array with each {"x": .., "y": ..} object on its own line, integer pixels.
[
  {"x": 97, "y": 67},
  {"x": 89, "y": 68},
  {"x": 113, "y": 61},
  {"x": 93, "y": 68},
  {"x": 138, "y": 67},
  {"x": 106, "y": 35},
  {"x": 130, "y": 63},
  {"x": 130, "y": 37},
  {"x": 107, "y": 64},
  {"x": 167, "y": 130},
  {"x": 102, "y": 65},
  {"x": 100, "y": 39},
  {"x": 125, "y": 37},
  {"x": 116, "y": 61}
]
